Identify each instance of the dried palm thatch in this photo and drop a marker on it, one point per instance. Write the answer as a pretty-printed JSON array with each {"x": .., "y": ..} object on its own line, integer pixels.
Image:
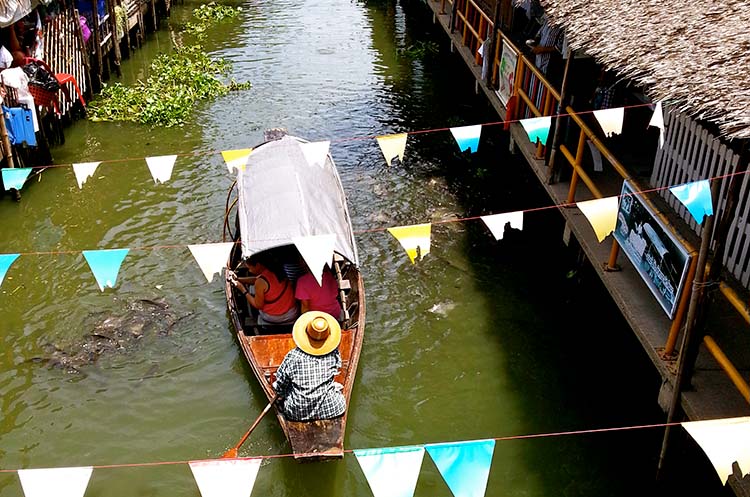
[{"x": 693, "y": 55}]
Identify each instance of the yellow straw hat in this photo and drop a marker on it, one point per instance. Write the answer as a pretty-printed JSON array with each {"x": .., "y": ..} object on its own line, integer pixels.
[{"x": 316, "y": 333}]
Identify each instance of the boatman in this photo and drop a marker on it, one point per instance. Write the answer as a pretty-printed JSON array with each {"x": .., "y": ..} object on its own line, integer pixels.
[{"x": 305, "y": 380}]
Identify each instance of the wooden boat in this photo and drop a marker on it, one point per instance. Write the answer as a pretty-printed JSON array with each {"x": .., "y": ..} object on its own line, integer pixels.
[{"x": 281, "y": 196}]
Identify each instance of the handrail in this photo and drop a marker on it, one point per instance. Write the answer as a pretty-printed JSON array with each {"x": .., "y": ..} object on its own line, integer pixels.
[{"x": 728, "y": 367}]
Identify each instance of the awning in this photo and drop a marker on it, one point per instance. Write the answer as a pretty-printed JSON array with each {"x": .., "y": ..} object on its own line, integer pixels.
[
  {"x": 282, "y": 196},
  {"x": 12, "y": 11}
]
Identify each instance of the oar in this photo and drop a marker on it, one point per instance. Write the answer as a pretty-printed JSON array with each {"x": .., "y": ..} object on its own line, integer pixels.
[{"x": 232, "y": 453}]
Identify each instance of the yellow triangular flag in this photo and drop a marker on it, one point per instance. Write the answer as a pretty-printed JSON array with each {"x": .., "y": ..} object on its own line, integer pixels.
[
  {"x": 602, "y": 214},
  {"x": 392, "y": 146},
  {"x": 724, "y": 441},
  {"x": 236, "y": 159},
  {"x": 415, "y": 239}
]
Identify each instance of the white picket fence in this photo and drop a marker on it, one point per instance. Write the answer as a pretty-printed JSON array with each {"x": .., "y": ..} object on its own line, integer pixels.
[{"x": 692, "y": 153}]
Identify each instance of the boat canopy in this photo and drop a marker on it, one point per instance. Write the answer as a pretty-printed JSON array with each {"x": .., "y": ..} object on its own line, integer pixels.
[{"x": 282, "y": 196}]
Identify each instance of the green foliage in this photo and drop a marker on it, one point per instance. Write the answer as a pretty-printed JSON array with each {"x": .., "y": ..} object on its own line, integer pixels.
[
  {"x": 208, "y": 14},
  {"x": 177, "y": 81},
  {"x": 419, "y": 50}
]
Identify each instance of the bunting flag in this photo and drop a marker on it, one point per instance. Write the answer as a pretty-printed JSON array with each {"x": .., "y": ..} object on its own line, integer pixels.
[
  {"x": 6, "y": 260},
  {"x": 496, "y": 223},
  {"x": 467, "y": 137},
  {"x": 391, "y": 472},
  {"x": 610, "y": 120},
  {"x": 161, "y": 167},
  {"x": 84, "y": 171},
  {"x": 105, "y": 264},
  {"x": 657, "y": 120},
  {"x": 225, "y": 477},
  {"x": 602, "y": 214},
  {"x": 392, "y": 146},
  {"x": 696, "y": 197},
  {"x": 15, "y": 177},
  {"x": 60, "y": 482},
  {"x": 317, "y": 251},
  {"x": 724, "y": 441},
  {"x": 236, "y": 159},
  {"x": 480, "y": 51},
  {"x": 465, "y": 466},
  {"x": 415, "y": 239},
  {"x": 316, "y": 152},
  {"x": 537, "y": 128},
  {"x": 211, "y": 257}
]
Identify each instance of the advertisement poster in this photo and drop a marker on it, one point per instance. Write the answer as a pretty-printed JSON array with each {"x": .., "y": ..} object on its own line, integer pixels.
[
  {"x": 506, "y": 73},
  {"x": 659, "y": 258}
]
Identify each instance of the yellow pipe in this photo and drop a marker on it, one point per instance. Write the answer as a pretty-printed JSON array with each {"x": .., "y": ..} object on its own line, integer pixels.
[
  {"x": 674, "y": 330},
  {"x": 728, "y": 367},
  {"x": 735, "y": 300}
]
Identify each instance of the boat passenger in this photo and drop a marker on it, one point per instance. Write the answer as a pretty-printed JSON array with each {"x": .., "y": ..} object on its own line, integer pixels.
[
  {"x": 305, "y": 379},
  {"x": 314, "y": 297},
  {"x": 271, "y": 293}
]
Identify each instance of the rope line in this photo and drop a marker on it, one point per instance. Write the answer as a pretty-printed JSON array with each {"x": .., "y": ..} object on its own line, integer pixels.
[
  {"x": 377, "y": 230},
  {"x": 202, "y": 153},
  {"x": 350, "y": 451}
]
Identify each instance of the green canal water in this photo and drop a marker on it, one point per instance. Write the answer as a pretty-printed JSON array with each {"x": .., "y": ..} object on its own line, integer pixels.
[{"x": 481, "y": 339}]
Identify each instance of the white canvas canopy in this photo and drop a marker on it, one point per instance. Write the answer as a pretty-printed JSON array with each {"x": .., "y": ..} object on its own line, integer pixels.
[
  {"x": 12, "y": 11},
  {"x": 282, "y": 196}
]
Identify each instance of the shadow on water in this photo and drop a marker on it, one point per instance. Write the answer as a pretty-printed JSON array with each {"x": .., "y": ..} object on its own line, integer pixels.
[{"x": 569, "y": 349}]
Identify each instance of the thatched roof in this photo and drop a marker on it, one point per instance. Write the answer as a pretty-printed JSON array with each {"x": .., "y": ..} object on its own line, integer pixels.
[{"x": 692, "y": 54}]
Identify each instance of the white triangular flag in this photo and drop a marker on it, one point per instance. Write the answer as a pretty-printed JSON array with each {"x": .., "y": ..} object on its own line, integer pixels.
[
  {"x": 84, "y": 171},
  {"x": 317, "y": 251},
  {"x": 211, "y": 257},
  {"x": 161, "y": 167},
  {"x": 480, "y": 50},
  {"x": 60, "y": 482},
  {"x": 602, "y": 214},
  {"x": 391, "y": 472},
  {"x": 393, "y": 146},
  {"x": 225, "y": 477},
  {"x": 316, "y": 152},
  {"x": 610, "y": 120},
  {"x": 724, "y": 441},
  {"x": 496, "y": 222},
  {"x": 657, "y": 120}
]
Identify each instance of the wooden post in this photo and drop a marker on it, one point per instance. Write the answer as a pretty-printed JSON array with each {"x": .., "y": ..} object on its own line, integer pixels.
[
  {"x": 696, "y": 298},
  {"x": 561, "y": 105},
  {"x": 97, "y": 44},
  {"x": 115, "y": 39}
]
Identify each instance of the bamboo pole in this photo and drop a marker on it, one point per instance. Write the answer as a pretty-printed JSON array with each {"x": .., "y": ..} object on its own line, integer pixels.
[
  {"x": 115, "y": 39},
  {"x": 696, "y": 298},
  {"x": 557, "y": 136}
]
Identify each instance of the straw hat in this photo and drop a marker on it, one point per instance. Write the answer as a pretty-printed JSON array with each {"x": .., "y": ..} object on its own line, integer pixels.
[{"x": 316, "y": 333}]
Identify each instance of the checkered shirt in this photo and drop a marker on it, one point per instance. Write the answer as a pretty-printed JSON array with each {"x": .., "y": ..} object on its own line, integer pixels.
[{"x": 305, "y": 382}]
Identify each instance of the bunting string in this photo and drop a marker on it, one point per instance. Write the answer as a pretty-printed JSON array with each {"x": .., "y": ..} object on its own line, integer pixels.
[
  {"x": 383, "y": 229},
  {"x": 350, "y": 451},
  {"x": 202, "y": 153}
]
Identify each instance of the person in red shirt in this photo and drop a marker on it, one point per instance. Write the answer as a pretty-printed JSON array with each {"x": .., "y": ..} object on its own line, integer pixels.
[{"x": 314, "y": 297}]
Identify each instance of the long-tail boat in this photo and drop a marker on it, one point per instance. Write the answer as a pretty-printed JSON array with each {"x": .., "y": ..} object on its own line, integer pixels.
[{"x": 281, "y": 195}]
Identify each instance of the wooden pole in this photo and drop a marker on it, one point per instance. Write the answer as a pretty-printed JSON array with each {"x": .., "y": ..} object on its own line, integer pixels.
[
  {"x": 696, "y": 298},
  {"x": 557, "y": 136},
  {"x": 115, "y": 39}
]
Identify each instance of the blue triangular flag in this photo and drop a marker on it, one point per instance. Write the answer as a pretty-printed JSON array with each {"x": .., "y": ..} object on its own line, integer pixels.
[
  {"x": 5, "y": 262},
  {"x": 467, "y": 137},
  {"x": 537, "y": 128},
  {"x": 391, "y": 472},
  {"x": 465, "y": 466},
  {"x": 15, "y": 177},
  {"x": 105, "y": 264},
  {"x": 696, "y": 197}
]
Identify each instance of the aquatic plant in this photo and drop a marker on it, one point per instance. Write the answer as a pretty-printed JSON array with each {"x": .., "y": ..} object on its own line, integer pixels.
[
  {"x": 419, "y": 49},
  {"x": 176, "y": 81},
  {"x": 208, "y": 14}
]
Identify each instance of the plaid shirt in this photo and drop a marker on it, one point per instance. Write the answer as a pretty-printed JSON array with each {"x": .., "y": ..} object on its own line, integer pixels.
[{"x": 306, "y": 384}]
